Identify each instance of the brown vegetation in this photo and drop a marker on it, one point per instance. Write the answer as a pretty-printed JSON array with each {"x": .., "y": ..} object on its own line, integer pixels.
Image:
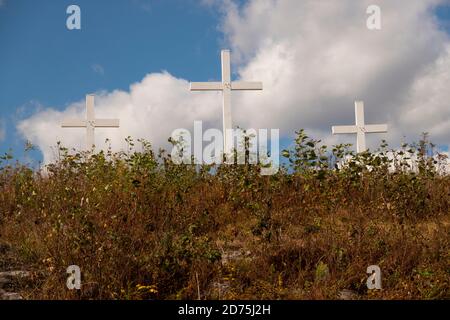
[{"x": 141, "y": 227}]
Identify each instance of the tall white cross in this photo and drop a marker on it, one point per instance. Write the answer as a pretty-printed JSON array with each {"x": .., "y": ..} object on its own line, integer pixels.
[
  {"x": 360, "y": 128},
  {"x": 90, "y": 123},
  {"x": 226, "y": 86}
]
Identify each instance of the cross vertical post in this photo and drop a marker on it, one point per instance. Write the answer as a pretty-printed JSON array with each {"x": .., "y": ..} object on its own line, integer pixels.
[
  {"x": 90, "y": 123},
  {"x": 226, "y": 86},
  {"x": 360, "y": 135},
  {"x": 360, "y": 128},
  {"x": 226, "y": 81}
]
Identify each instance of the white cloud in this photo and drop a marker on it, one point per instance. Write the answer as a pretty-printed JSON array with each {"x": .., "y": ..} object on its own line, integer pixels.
[
  {"x": 446, "y": 167},
  {"x": 427, "y": 106},
  {"x": 151, "y": 109},
  {"x": 315, "y": 58}
]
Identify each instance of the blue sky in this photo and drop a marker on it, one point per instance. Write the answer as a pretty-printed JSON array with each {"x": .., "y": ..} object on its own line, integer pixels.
[
  {"x": 41, "y": 61},
  {"x": 121, "y": 41}
]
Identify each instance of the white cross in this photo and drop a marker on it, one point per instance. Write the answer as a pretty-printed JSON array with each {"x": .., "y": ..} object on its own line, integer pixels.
[
  {"x": 360, "y": 128},
  {"x": 226, "y": 86},
  {"x": 90, "y": 123}
]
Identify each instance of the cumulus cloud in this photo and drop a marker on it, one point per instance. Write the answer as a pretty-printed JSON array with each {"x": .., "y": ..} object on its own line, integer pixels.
[
  {"x": 315, "y": 59},
  {"x": 447, "y": 160},
  {"x": 151, "y": 109},
  {"x": 427, "y": 106}
]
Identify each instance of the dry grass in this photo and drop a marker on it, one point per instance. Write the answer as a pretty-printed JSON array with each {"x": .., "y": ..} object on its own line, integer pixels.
[{"x": 142, "y": 228}]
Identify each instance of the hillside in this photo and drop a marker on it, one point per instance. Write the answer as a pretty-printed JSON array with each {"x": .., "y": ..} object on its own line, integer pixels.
[{"x": 141, "y": 227}]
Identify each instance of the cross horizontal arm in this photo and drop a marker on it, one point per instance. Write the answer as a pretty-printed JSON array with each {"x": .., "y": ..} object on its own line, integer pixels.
[
  {"x": 343, "y": 129},
  {"x": 74, "y": 123},
  {"x": 376, "y": 128},
  {"x": 241, "y": 85},
  {"x": 206, "y": 86},
  {"x": 106, "y": 123}
]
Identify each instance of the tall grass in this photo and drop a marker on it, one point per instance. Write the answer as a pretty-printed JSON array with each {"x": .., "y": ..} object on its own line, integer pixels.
[{"x": 141, "y": 227}]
